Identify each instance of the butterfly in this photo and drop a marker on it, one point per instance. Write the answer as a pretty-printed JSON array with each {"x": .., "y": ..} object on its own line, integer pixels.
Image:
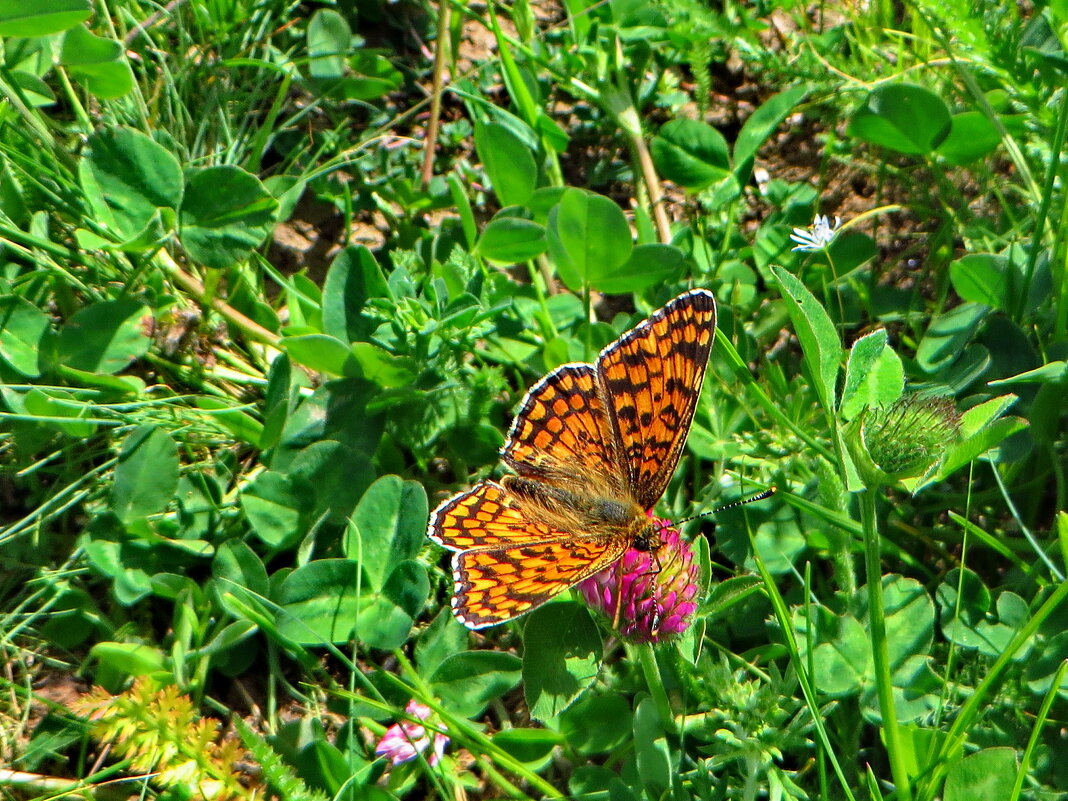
[{"x": 593, "y": 447}]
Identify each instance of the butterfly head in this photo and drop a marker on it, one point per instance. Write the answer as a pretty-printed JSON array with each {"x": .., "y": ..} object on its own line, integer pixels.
[{"x": 649, "y": 536}]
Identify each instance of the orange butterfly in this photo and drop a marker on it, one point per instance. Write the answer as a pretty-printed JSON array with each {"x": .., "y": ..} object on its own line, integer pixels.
[{"x": 593, "y": 446}]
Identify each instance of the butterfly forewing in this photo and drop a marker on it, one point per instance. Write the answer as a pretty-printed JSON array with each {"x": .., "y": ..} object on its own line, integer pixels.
[
  {"x": 652, "y": 379},
  {"x": 562, "y": 429}
]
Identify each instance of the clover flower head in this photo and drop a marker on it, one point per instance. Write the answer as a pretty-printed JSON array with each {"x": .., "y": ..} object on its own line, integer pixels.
[
  {"x": 403, "y": 742},
  {"x": 817, "y": 236},
  {"x": 655, "y": 591},
  {"x": 911, "y": 435}
]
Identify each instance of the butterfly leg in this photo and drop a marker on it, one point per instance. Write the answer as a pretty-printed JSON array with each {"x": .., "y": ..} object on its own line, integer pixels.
[{"x": 619, "y": 595}]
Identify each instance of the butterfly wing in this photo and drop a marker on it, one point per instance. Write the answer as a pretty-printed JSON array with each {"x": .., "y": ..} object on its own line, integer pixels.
[
  {"x": 486, "y": 516},
  {"x": 562, "y": 433},
  {"x": 652, "y": 378},
  {"x": 498, "y": 584},
  {"x": 506, "y": 564}
]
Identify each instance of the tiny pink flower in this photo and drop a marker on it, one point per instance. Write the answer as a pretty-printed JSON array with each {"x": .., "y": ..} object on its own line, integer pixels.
[
  {"x": 657, "y": 588},
  {"x": 403, "y": 742}
]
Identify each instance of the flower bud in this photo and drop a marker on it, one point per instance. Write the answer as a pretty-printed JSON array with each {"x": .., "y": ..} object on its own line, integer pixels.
[{"x": 905, "y": 439}]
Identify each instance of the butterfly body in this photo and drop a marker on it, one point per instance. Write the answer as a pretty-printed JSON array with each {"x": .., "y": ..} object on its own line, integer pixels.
[{"x": 593, "y": 447}]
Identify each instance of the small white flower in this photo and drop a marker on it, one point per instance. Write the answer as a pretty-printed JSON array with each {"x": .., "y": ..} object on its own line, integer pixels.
[{"x": 818, "y": 235}]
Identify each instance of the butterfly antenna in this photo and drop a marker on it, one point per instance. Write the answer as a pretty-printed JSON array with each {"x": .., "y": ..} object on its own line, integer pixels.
[{"x": 758, "y": 497}]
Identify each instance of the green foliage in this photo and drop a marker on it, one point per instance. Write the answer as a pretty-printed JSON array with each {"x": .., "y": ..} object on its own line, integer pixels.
[{"x": 263, "y": 305}]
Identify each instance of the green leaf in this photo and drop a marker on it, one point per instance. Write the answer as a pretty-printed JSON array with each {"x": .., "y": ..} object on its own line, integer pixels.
[
  {"x": 819, "y": 339},
  {"x": 917, "y": 691},
  {"x": 651, "y": 749},
  {"x": 649, "y": 265},
  {"x": 105, "y": 337},
  {"x": 906, "y": 118},
  {"x": 131, "y": 659},
  {"x": 353, "y": 279},
  {"x": 130, "y": 584},
  {"x": 466, "y": 682},
  {"x": 910, "y": 618},
  {"x": 440, "y": 640},
  {"x": 511, "y": 239},
  {"x": 983, "y": 278},
  {"x": 226, "y": 212},
  {"x": 947, "y": 336},
  {"x": 874, "y": 375},
  {"x": 98, "y": 63},
  {"x": 987, "y": 775},
  {"x": 921, "y": 748},
  {"x": 763, "y": 122},
  {"x": 41, "y": 17},
  {"x": 329, "y": 41},
  {"x": 241, "y": 426},
  {"x": 386, "y": 616},
  {"x": 391, "y": 521},
  {"x": 691, "y": 153},
  {"x": 37, "y": 93},
  {"x": 322, "y": 353},
  {"x": 53, "y": 402},
  {"x": 319, "y": 603},
  {"x": 588, "y": 238},
  {"x": 508, "y": 163},
  {"x": 1042, "y": 668},
  {"x": 383, "y": 368},
  {"x": 146, "y": 476},
  {"x": 127, "y": 178},
  {"x": 338, "y": 476},
  {"x": 561, "y": 657},
  {"x": 236, "y": 563},
  {"x": 22, "y": 328},
  {"x": 1049, "y": 373},
  {"x": 844, "y": 665},
  {"x": 273, "y": 504},
  {"x": 969, "y": 618},
  {"x": 532, "y": 747},
  {"x": 597, "y": 724},
  {"x": 971, "y": 137}
]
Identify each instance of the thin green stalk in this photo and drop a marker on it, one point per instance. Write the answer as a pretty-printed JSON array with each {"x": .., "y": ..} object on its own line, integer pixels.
[
  {"x": 782, "y": 614},
  {"x": 1036, "y": 731},
  {"x": 440, "y": 51},
  {"x": 880, "y": 651},
  {"x": 655, "y": 683},
  {"x": 971, "y": 708},
  {"x": 725, "y": 349}
]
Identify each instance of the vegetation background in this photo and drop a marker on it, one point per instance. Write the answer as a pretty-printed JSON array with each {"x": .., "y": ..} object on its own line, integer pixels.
[{"x": 274, "y": 275}]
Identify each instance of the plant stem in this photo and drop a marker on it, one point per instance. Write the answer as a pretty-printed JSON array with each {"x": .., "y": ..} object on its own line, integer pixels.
[
  {"x": 652, "y": 186},
  {"x": 440, "y": 49},
  {"x": 880, "y": 651},
  {"x": 655, "y": 683}
]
